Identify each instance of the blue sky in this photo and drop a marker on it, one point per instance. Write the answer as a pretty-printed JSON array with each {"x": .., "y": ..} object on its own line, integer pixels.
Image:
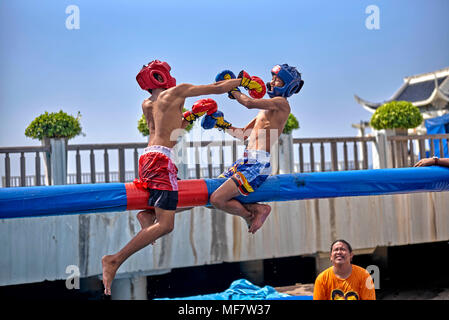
[{"x": 46, "y": 67}]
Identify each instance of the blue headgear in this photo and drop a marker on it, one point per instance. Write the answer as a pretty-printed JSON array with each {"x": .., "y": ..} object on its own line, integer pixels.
[{"x": 292, "y": 81}]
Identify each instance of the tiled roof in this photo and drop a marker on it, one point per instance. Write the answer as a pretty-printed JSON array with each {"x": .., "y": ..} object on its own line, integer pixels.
[
  {"x": 416, "y": 89},
  {"x": 419, "y": 91}
]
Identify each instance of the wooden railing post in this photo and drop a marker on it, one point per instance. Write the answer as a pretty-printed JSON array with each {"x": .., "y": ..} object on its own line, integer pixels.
[
  {"x": 7, "y": 170},
  {"x": 334, "y": 156},
  {"x": 22, "y": 170},
  {"x": 93, "y": 178},
  {"x": 121, "y": 164},
  {"x": 78, "y": 166},
  {"x": 106, "y": 166},
  {"x": 37, "y": 169}
]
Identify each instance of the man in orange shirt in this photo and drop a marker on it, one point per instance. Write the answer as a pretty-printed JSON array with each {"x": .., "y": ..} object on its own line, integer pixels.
[{"x": 344, "y": 280}]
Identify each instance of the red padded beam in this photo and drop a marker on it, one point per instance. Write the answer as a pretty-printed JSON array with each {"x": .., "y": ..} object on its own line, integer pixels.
[{"x": 192, "y": 193}]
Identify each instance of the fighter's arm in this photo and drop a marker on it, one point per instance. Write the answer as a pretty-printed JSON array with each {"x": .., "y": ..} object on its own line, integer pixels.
[
  {"x": 186, "y": 90},
  {"x": 147, "y": 109},
  {"x": 184, "y": 123},
  {"x": 242, "y": 133},
  {"x": 238, "y": 133},
  {"x": 250, "y": 125},
  {"x": 444, "y": 162},
  {"x": 266, "y": 104}
]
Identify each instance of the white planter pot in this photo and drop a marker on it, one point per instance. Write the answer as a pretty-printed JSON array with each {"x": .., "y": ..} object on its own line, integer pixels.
[
  {"x": 55, "y": 161},
  {"x": 282, "y": 155}
]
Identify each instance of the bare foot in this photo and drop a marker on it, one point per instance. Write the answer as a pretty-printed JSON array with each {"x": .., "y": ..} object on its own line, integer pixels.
[
  {"x": 249, "y": 220},
  {"x": 261, "y": 212},
  {"x": 146, "y": 218},
  {"x": 109, "y": 269}
]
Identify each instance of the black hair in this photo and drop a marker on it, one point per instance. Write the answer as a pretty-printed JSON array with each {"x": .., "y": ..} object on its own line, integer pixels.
[{"x": 343, "y": 241}]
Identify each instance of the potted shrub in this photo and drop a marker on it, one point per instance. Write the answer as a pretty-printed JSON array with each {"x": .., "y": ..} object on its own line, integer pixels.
[
  {"x": 291, "y": 124},
  {"x": 55, "y": 129},
  {"x": 396, "y": 115},
  {"x": 393, "y": 118}
]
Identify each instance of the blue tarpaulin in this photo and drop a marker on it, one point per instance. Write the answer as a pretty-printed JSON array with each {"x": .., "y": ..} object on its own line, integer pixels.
[
  {"x": 439, "y": 125},
  {"x": 244, "y": 290}
]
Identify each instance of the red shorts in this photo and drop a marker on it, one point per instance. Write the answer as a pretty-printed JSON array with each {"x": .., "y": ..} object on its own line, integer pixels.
[{"x": 157, "y": 170}]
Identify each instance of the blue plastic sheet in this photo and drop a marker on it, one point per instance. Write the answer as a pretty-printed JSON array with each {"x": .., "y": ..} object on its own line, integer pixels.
[{"x": 242, "y": 289}]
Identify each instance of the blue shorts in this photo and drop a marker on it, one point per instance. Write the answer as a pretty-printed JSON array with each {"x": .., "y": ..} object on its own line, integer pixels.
[{"x": 249, "y": 172}]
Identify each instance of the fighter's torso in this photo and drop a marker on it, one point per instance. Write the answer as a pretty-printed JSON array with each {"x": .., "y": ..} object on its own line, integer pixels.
[
  {"x": 164, "y": 118},
  {"x": 267, "y": 129}
]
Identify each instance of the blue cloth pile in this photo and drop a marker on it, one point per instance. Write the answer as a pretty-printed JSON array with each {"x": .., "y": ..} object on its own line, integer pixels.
[{"x": 244, "y": 290}]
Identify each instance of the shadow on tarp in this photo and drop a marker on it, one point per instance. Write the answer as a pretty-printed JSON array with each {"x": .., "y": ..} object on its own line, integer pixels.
[{"x": 244, "y": 290}]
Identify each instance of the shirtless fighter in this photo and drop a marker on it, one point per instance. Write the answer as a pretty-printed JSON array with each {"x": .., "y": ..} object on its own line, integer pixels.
[
  {"x": 248, "y": 173},
  {"x": 157, "y": 172}
]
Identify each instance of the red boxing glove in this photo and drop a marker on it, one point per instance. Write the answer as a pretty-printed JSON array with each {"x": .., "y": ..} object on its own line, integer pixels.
[
  {"x": 189, "y": 116},
  {"x": 203, "y": 106},
  {"x": 245, "y": 79},
  {"x": 200, "y": 108},
  {"x": 258, "y": 88},
  {"x": 255, "y": 85}
]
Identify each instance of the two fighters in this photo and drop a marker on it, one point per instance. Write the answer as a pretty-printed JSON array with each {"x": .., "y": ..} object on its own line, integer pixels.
[{"x": 157, "y": 171}]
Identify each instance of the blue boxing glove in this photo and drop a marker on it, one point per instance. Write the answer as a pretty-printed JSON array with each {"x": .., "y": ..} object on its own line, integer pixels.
[
  {"x": 215, "y": 120},
  {"x": 208, "y": 122},
  {"x": 221, "y": 123},
  {"x": 226, "y": 75}
]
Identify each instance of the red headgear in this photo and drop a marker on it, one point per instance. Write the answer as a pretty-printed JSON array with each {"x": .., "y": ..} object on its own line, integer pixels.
[{"x": 147, "y": 80}]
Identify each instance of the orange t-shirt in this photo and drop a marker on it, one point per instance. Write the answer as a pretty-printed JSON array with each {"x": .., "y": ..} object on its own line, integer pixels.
[{"x": 358, "y": 286}]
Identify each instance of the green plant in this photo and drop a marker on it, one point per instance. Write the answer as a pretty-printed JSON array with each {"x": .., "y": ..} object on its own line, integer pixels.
[
  {"x": 291, "y": 124},
  {"x": 396, "y": 114},
  {"x": 54, "y": 125},
  {"x": 142, "y": 125}
]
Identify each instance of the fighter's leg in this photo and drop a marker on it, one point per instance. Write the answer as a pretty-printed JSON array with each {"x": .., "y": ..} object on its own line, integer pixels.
[
  {"x": 222, "y": 199},
  {"x": 111, "y": 263},
  {"x": 146, "y": 218},
  {"x": 183, "y": 209}
]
